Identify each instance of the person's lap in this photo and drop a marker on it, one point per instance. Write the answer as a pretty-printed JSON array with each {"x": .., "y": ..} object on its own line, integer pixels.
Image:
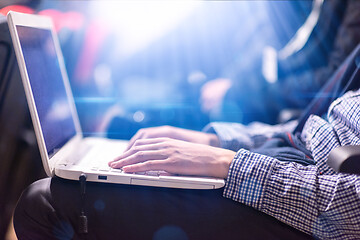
[{"x": 50, "y": 208}]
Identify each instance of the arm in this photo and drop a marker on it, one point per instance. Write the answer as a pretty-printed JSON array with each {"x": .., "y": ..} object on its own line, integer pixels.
[
  {"x": 314, "y": 198},
  {"x": 234, "y": 136},
  {"x": 182, "y": 151},
  {"x": 326, "y": 206}
]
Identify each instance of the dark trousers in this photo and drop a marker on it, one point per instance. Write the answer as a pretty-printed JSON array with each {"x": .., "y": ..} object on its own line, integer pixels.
[{"x": 50, "y": 209}]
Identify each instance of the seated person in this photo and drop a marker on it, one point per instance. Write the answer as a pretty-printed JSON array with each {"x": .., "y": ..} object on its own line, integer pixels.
[{"x": 280, "y": 174}]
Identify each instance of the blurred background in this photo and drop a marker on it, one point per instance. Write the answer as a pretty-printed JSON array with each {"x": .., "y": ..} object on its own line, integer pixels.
[{"x": 136, "y": 64}]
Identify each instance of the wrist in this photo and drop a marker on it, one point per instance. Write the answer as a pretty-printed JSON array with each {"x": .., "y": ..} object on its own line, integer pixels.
[
  {"x": 227, "y": 162},
  {"x": 224, "y": 163}
]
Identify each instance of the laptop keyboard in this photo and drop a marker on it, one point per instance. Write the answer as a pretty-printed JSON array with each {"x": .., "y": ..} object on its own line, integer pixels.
[{"x": 98, "y": 158}]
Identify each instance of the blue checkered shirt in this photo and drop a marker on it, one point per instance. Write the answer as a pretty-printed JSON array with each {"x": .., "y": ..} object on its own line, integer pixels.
[{"x": 313, "y": 199}]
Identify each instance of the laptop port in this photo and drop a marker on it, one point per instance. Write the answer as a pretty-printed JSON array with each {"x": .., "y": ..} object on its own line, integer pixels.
[{"x": 102, "y": 177}]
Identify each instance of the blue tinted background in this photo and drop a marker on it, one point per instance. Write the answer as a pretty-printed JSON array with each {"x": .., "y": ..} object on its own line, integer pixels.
[{"x": 158, "y": 81}]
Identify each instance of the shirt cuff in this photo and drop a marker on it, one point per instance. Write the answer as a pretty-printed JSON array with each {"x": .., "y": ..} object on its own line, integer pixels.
[{"x": 247, "y": 178}]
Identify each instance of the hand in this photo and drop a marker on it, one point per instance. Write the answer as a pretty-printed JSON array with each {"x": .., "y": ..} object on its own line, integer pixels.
[
  {"x": 175, "y": 133},
  {"x": 213, "y": 93},
  {"x": 175, "y": 157}
]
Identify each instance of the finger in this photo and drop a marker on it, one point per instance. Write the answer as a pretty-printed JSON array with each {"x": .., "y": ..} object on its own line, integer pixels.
[
  {"x": 145, "y": 133},
  {"x": 153, "y": 132},
  {"x": 141, "y": 156},
  {"x": 153, "y": 165},
  {"x": 139, "y": 134},
  {"x": 143, "y": 145},
  {"x": 149, "y": 141}
]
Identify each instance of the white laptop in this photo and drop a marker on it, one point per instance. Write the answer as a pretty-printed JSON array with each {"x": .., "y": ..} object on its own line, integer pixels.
[{"x": 64, "y": 151}]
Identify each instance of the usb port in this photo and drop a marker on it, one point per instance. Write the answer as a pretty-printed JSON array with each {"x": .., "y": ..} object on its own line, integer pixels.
[{"x": 102, "y": 177}]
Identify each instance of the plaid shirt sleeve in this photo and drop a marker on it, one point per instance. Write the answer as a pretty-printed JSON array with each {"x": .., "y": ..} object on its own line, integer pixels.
[{"x": 313, "y": 199}]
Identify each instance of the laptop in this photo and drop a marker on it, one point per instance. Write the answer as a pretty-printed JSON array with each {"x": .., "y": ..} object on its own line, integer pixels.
[{"x": 64, "y": 151}]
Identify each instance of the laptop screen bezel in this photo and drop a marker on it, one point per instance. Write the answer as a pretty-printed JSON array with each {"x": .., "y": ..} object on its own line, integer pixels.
[{"x": 35, "y": 21}]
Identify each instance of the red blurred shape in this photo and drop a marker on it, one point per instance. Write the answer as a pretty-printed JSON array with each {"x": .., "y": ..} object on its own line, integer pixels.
[{"x": 16, "y": 8}]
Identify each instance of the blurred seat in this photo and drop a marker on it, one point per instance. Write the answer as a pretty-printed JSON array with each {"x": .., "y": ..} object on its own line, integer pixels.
[{"x": 345, "y": 159}]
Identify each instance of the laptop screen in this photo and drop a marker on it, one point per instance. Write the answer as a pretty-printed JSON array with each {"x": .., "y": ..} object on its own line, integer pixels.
[{"x": 47, "y": 86}]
